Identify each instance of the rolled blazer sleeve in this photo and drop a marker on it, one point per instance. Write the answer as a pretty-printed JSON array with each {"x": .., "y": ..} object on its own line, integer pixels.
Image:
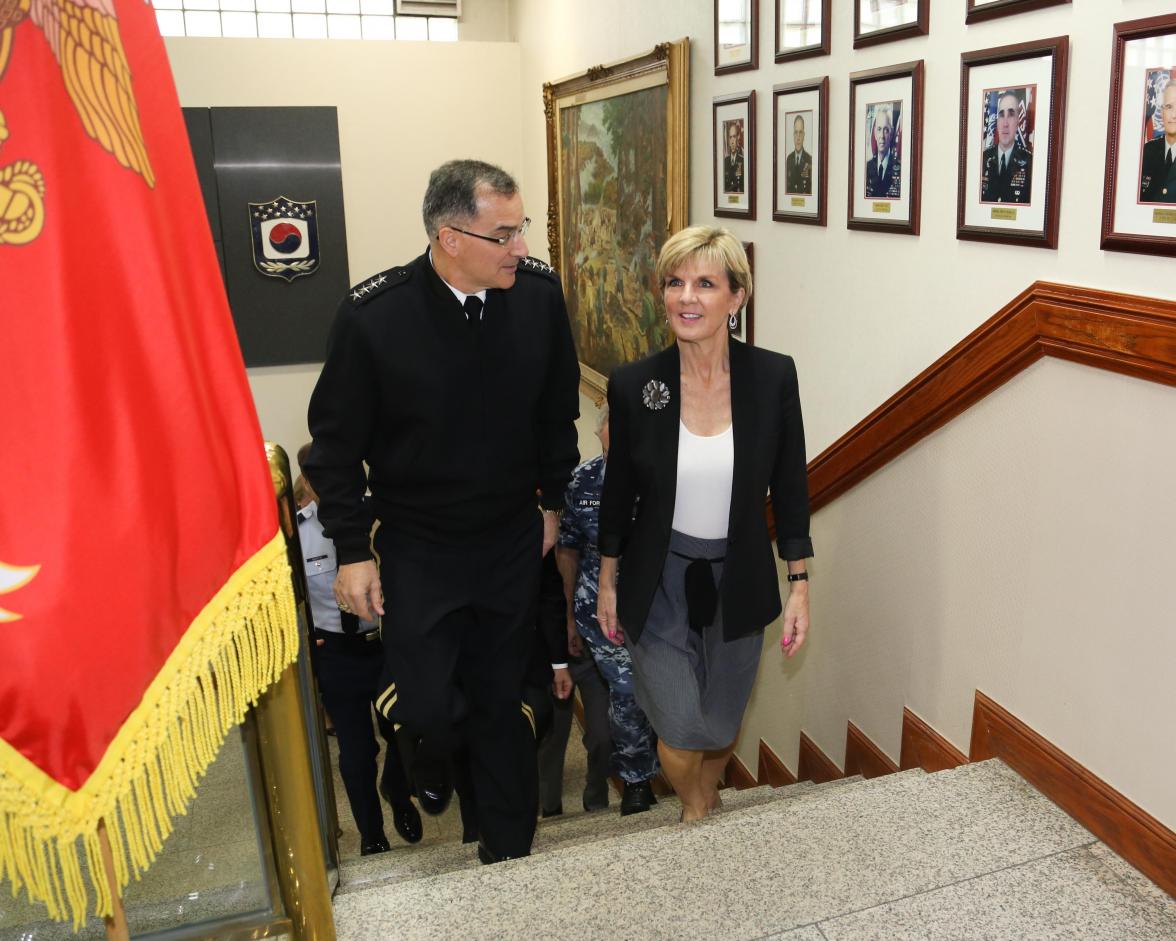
[
  {"x": 619, "y": 492},
  {"x": 790, "y": 498}
]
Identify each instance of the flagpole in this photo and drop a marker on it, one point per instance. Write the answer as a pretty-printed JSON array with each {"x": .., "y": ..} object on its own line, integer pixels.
[{"x": 116, "y": 924}]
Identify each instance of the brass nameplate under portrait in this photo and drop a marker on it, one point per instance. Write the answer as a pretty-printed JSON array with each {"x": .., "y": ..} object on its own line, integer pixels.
[
  {"x": 880, "y": 207},
  {"x": 798, "y": 201},
  {"x": 1004, "y": 212},
  {"x": 1164, "y": 216}
]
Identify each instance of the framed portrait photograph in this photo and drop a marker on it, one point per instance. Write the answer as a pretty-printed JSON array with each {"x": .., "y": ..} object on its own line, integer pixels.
[
  {"x": 802, "y": 29},
  {"x": 876, "y": 21},
  {"x": 741, "y": 324},
  {"x": 800, "y": 153},
  {"x": 1012, "y": 108},
  {"x": 990, "y": 9},
  {"x": 734, "y": 155},
  {"x": 736, "y": 35},
  {"x": 617, "y": 187},
  {"x": 886, "y": 148},
  {"x": 1139, "y": 196}
]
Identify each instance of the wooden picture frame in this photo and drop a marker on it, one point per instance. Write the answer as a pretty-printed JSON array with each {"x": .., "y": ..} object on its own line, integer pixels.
[
  {"x": 800, "y": 185},
  {"x": 979, "y": 10},
  {"x": 742, "y": 326},
  {"x": 870, "y": 27},
  {"x": 617, "y": 223},
  {"x": 1139, "y": 195},
  {"x": 1012, "y": 111},
  {"x": 885, "y": 169},
  {"x": 736, "y": 19},
  {"x": 797, "y": 40},
  {"x": 733, "y": 155}
]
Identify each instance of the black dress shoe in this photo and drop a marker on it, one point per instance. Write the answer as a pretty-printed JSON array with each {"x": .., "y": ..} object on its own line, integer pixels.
[
  {"x": 638, "y": 797},
  {"x": 434, "y": 787},
  {"x": 488, "y": 857},
  {"x": 556, "y": 811},
  {"x": 407, "y": 822},
  {"x": 374, "y": 846}
]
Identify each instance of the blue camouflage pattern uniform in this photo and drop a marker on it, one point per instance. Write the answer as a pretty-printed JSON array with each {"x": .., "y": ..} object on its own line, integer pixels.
[{"x": 634, "y": 756}]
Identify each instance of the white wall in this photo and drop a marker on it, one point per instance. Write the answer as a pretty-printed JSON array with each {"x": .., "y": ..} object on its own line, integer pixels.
[
  {"x": 404, "y": 108},
  {"x": 973, "y": 560}
]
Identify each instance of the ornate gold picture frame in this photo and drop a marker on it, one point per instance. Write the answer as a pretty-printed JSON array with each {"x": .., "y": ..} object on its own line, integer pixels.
[{"x": 618, "y": 185}]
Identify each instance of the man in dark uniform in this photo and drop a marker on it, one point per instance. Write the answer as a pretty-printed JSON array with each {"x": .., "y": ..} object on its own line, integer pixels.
[
  {"x": 798, "y": 176},
  {"x": 733, "y": 161},
  {"x": 454, "y": 378},
  {"x": 1157, "y": 175},
  {"x": 883, "y": 176},
  {"x": 1006, "y": 175}
]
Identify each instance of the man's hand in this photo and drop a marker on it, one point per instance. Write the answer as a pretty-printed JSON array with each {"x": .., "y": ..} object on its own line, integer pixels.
[
  {"x": 357, "y": 589},
  {"x": 550, "y": 530},
  {"x": 562, "y": 685},
  {"x": 575, "y": 644}
]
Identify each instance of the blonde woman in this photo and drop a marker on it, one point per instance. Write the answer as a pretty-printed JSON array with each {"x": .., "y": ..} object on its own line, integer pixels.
[{"x": 700, "y": 433}]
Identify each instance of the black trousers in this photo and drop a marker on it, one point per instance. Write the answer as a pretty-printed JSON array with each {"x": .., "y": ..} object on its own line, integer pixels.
[
  {"x": 347, "y": 668},
  {"x": 458, "y": 630},
  {"x": 597, "y": 739}
]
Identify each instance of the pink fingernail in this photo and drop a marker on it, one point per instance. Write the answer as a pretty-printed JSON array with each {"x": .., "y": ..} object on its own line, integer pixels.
[{"x": 786, "y": 641}]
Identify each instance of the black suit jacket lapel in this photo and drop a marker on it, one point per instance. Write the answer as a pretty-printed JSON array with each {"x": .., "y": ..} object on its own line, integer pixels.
[
  {"x": 743, "y": 396},
  {"x": 668, "y": 370}
]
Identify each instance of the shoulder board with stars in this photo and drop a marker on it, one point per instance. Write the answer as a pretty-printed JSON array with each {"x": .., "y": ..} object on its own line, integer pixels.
[
  {"x": 377, "y": 284},
  {"x": 534, "y": 265}
]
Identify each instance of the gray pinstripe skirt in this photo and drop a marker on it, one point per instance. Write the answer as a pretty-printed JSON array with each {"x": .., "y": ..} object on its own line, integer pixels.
[{"x": 694, "y": 689}]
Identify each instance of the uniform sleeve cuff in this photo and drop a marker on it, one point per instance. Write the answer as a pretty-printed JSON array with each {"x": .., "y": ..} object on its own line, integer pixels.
[
  {"x": 348, "y": 554},
  {"x": 554, "y": 502}
]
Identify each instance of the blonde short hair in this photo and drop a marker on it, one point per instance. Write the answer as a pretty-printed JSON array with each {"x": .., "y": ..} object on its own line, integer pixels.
[{"x": 706, "y": 243}]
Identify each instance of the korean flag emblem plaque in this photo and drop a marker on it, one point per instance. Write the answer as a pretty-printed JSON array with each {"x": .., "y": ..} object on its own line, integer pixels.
[{"x": 285, "y": 237}]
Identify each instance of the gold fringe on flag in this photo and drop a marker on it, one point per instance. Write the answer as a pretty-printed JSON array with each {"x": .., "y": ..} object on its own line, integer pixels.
[{"x": 238, "y": 645}]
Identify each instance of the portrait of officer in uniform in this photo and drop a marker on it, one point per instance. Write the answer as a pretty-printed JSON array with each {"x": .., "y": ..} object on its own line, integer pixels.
[
  {"x": 1006, "y": 173},
  {"x": 798, "y": 169},
  {"x": 884, "y": 169},
  {"x": 1157, "y": 174},
  {"x": 734, "y": 174}
]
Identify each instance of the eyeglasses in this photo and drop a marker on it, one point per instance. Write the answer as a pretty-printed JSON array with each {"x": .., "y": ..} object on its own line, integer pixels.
[{"x": 515, "y": 233}]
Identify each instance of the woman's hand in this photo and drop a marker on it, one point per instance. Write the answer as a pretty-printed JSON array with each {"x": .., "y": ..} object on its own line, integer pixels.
[
  {"x": 796, "y": 619},
  {"x": 606, "y": 614}
]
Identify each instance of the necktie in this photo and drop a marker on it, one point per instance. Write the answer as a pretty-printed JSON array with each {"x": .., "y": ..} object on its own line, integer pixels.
[
  {"x": 473, "y": 309},
  {"x": 1002, "y": 164},
  {"x": 1168, "y": 159}
]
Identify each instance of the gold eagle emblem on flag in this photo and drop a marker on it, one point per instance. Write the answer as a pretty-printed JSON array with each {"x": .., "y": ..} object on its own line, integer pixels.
[{"x": 84, "y": 37}]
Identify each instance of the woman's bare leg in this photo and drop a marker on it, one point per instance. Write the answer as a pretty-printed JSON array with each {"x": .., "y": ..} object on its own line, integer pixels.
[
  {"x": 684, "y": 769},
  {"x": 714, "y": 763}
]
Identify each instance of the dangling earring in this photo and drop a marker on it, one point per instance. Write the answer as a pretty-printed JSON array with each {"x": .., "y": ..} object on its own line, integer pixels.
[{"x": 733, "y": 320}]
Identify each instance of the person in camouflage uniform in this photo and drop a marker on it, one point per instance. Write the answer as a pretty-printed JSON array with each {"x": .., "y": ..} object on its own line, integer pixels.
[{"x": 634, "y": 756}]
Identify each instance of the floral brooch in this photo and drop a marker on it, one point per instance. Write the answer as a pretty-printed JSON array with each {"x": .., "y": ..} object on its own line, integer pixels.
[{"x": 655, "y": 395}]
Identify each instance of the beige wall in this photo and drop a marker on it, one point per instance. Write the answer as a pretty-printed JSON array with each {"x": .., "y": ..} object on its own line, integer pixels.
[
  {"x": 404, "y": 108},
  {"x": 973, "y": 560}
]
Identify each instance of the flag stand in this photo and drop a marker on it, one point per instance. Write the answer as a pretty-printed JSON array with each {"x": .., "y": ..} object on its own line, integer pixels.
[{"x": 116, "y": 924}]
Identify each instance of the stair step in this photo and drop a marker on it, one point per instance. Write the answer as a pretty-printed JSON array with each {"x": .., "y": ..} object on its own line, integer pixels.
[
  {"x": 749, "y": 872},
  {"x": 408, "y": 863}
]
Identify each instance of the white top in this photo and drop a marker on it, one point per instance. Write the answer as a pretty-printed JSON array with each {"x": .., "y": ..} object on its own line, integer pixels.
[{"x": 702, "y": 504}]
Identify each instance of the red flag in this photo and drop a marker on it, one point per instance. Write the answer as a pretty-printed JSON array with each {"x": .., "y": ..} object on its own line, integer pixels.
[{"x": 144, "y": 590}]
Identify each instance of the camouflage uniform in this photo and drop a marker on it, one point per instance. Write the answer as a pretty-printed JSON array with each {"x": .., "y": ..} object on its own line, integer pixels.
[{"x": 634, "y": 755}]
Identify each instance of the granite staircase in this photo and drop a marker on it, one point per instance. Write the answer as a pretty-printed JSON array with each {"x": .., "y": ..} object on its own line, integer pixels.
[{"x": 971, "y": 853}]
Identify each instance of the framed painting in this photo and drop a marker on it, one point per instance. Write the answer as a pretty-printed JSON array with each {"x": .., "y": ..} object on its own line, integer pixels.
[
  {"x": 800, "y": 152},
  {"x": 886, "y": 148},
  {"x": 990, "y": 9},
  {"x": 736, "y": 35},
  {"x": 741, "y": 324},
  {"x": 733, "y": 149},
  {"x": 802, "y": 29},
  {"x": 876, "y": 21},
  {"x": 1139, "y": 195},
  {"x": 617, "y": 188},
  {"x": 1012, "y": 103}
]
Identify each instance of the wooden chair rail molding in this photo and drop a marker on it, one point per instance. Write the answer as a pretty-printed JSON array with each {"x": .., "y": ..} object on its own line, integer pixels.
[{"x": 1121, "y": 332}]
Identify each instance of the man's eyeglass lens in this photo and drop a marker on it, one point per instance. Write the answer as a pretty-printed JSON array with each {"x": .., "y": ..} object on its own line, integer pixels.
[{"x": 499, "y": 239}]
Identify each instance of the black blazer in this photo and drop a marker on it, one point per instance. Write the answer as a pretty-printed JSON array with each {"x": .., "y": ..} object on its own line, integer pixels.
[{"x": 643, "y": 469}]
